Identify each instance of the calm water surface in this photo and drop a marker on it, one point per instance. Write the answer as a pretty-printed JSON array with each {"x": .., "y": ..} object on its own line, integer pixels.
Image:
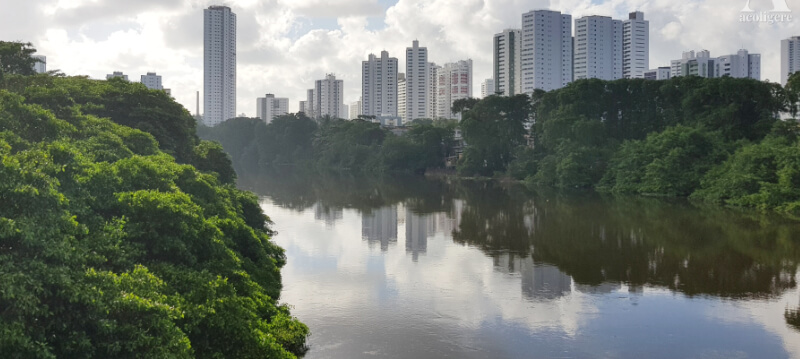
[{"x": 409, "y": 268}]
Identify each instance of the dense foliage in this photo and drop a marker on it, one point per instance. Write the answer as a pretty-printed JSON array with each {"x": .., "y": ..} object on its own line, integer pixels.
[
  {"x": 110, "y": 247},
  {"x": 714, "y": 139},
  {"x": 333, "y": 144}
]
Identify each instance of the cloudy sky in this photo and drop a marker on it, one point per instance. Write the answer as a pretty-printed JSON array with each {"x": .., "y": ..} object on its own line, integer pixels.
[{"x": 284, "y": 45}]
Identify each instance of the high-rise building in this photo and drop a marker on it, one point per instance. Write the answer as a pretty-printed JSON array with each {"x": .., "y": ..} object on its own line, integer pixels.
[
  {"x": 269, "y": 107},
  {"x": 487, "y": 88},
  {"x": 790, "y": 57},
  {"x": 219, "y": 64},
  {"x": 41, "y": 64},
  {"x": 506, "y": 70},
  {"x": 152, "y": 81},
  {"x": 417, "y": 82},
  {"x": 311, "y": 103},
  {"x": 739, "y": 65},
  {"x": 301, "y": 107},
  {"x": 454, "y": 82},
  {"x": 329, "y": 97},
  {"x": 117, "y": 74},
  {"x": 401, "y": 96},
  {"x": 661, "y": 73},
  {"x": 546, "y": 51},
  {"x": 355, "y": 109},
  {"x": 432, "y": 107},
  {"x": 379, "y": 85},
  {"x": 635, "y": 46},
  {"x": 598, "y": 48}
]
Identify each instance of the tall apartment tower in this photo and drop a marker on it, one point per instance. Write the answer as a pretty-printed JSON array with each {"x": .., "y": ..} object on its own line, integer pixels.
[
  {"x": 219, "y": 64},
  {"x": 269, "y": 107},
  {"x": 311, "y": 100},
  {"x": 598, "y": 48},
  {"x": 401, "y": 96},
  {"x": 635, "y": 46},
  {"x": 506, "y": 71},
  {"x": 417, "y": 82},
  {"x": 546, "y": 51},
  {"x": 790, "y": 58},
  {"x": 379, "y": 85},
  {"x": 152, "y": 81},
  {"x": 487, "y": 88},
  {"x": 356, "y": 109},
  {"x": 41, "y": 64},
  {"x": 454, "y": 82},
  {"x": 432, "y": 107},
  {"x": 329, "y": 98}
]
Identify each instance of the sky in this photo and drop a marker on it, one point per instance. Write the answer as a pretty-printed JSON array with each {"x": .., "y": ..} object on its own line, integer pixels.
[{"x": 283, "y": 46}]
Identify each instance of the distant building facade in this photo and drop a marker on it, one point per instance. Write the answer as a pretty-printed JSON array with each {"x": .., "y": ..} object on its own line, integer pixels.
[
  {"x": 417, "y": 82},
  {"x": 661, "y": 73},
  {"x": 790, "y": 57},
  {"x": 329, "y": 98},
  {"x": 219, "y": 64},
  {"x": 152, "y": 81},
  {"x": 506, "y": 62},
  {"x": 487, "y": 88},
  {"x": 41, "y": 64},
  {"x": 546, "y": 54},
  {"x": 598, "y": 48},
  {"x": 635, "y": 46},
  {"x": 379, "y": 85},
  {"x": 454, "y": 82},
  {"x": 117, "y": 74},
  {"x": 740, "y": 65},
  {"x": 269, "y": 107}
]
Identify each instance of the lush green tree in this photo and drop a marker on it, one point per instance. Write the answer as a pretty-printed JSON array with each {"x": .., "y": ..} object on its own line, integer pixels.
[
  {"x": 493, "y": 128},
  {"x": 16, "y": 58},
  {"x": 141, "y": 256}
]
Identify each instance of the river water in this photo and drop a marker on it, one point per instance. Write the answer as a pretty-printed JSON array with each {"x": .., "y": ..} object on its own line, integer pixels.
[{"x": 414, "y": 268}]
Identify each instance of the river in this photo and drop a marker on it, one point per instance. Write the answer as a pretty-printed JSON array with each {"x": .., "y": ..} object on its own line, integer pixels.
[{"x": 414, "y": 268}]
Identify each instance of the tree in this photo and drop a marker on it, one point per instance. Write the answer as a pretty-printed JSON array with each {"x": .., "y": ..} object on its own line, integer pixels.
[{"x": 17, "y": 58}]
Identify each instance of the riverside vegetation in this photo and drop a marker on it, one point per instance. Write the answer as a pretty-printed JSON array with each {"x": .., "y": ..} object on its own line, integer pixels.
[
  {"x": 122, "y": 234},
  {"x": 719, "y": 140}
]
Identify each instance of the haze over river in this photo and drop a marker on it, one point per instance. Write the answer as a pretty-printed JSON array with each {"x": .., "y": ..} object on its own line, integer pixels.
[{"x": 413, "y": 268}]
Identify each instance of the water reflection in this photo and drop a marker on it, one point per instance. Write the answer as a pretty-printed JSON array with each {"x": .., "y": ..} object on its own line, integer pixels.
[
  {"x": 577, "y": 262},
  {"x": 380, "y": 226}
]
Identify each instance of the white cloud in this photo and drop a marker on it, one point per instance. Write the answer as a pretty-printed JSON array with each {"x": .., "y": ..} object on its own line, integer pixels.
[{"x": 96, "y": 37}]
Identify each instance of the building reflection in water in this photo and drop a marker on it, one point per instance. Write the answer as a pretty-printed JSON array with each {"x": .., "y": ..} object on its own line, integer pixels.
[
  {"x": 538, "y": 281},
  {"x": 327, "y": 214},
  {"x": 380, "y": 226},
  {"x": 416, "y": 234}
]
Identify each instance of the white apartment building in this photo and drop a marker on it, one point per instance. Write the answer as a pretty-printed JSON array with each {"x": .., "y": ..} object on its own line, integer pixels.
[
  {"x": 661, "y": 73},
  {"x": 417, "y": 82},
  {"x": 546, "y": 51},
  {"x": 329, "y": 98},
  {"x": 269, "y": 107},
  {"x": 432, "y": 108},
  {"x": 790, "y": 58},
  {"x": 301, "y": 107},
  {"x": 506, "y": 70},
  {"x": 487, "y": 88},
  {"x": 152, "y": 81},
  {"x": 739, "y": 65},
  {"x": 311, "y": 107},
  {"x": 41, "y": 65},
  {"x": 219, "y": 64},
  {"x": 693, "y": 64},
  {"x": 401, "y": 96},
  {"x": 117, "y": 74},
  {"x": 379, "y": 85},
  {"x": 598, "y": 48},
  {"x": 356, "y": 109},
  {"x": 635, "y": 46},
  {"x": 454, "y": 82}
]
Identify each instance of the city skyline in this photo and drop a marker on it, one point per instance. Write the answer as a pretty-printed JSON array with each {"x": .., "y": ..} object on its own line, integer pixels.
[{"x": 283, "y": 46}]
